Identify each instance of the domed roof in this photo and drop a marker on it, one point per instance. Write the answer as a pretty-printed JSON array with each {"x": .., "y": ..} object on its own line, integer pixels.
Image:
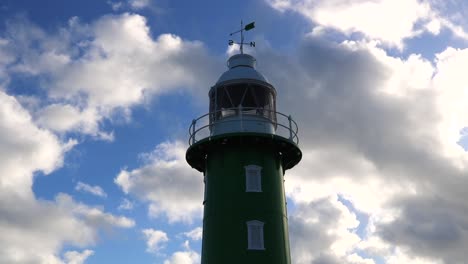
[{"x": 241, "y": 66}]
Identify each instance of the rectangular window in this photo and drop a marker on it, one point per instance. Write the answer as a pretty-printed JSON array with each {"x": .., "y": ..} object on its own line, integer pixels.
[
  {"x": 255, "y": 235},
  {"x": 253, "y": 178}
]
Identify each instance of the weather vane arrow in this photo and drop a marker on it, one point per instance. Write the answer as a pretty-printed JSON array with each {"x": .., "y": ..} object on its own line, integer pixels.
[{"x": 241, "y": 43}]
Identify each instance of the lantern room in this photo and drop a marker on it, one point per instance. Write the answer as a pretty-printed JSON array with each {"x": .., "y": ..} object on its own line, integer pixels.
[{"x": 242, "y": 100}]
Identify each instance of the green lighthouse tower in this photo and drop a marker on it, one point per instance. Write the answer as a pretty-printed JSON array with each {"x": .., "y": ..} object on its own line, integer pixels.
[{"x": 243, "y": 147}]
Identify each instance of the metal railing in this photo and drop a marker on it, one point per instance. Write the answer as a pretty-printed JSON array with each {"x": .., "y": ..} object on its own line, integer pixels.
[{"x": 201, "y": 128}]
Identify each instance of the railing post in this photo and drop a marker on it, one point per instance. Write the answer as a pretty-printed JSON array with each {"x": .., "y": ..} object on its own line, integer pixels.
[
  {"x": 240, "y": 115},
  {"x": 290, "y": 128},
  {"x": 194, "y": 121}
]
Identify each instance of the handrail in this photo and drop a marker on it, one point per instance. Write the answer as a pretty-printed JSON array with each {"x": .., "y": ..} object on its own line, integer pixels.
[{"x": 290, "y": 125}]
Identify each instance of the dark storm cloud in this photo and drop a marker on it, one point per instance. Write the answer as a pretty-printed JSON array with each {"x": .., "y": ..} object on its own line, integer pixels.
[
  {"x": 430, "y": 226},
  {"x": 312, "y": 238},
  {"x": 326, "y": 259}
]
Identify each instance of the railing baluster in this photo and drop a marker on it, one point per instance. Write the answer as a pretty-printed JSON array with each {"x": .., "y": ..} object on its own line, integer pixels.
[
  {"x": 240, "y": 114},
  {"x": 291, "y": 125},
  {"x": 194, "y": 122}
]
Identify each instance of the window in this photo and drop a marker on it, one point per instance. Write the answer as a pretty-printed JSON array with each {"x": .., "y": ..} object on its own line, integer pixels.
[
  {"x": 253, "y": 178},
  {"x": 255, "y": 235}
]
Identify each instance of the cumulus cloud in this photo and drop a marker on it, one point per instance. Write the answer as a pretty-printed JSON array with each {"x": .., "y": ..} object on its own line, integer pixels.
[
  {"x": 171, "y": 187},
  {"x": 94, "y": 190},
  {"x": 139, "y": 4},
  {"x": 123, "y": 63},
  {"x": 389, "y": 21},
  {"x": 86, "y": 73},
  {"x": 155, "y": 240},
  {"x": 195, "y": 234},
  {"x": 126, "y": 204},
  {"x": 130, "y": 4},
  {"x": 63, "y": 118},
  {"x": 25, "y": 148},
  {"x": 382, "y": 132},
  {"x": 75, "y": 257},
  {"x": 183, "y": 257},
  {"x": 116, "y": 6},
  {"x": 321, "y": 230},
  {"x": 97, "y": 71},
  {"x": 5, "y": 59},
  {"x": 34, "y": 231},
  {"x": 94, "y": 216},
  {"x": 426, "y": 224}
]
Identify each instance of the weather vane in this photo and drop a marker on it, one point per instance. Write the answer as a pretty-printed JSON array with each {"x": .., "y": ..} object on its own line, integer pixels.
[{"x": 241, "y": 43}]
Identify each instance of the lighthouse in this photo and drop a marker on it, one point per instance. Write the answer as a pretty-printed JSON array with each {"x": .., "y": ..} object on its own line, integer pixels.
[{"x": 243, "y": 146}]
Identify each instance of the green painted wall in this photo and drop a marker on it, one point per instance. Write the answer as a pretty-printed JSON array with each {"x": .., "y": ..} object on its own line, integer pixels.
[{"x": 228, "y": 207}]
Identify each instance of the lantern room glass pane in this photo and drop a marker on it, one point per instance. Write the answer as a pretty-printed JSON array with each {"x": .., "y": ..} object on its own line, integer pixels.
[{"x": 251, "y": 99}]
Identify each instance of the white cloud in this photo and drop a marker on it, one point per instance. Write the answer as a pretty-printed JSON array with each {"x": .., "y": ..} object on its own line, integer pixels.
[
  {"x": 35, "y": 231},
  {"x": 65, "y": 118},
  {"x": 382, "y": 132},
  {"x": 100, "y": 70},
  {"x": 123, "y": 63},
  {"x": 184, "y": 257},
  {"x": 136, "y": 5},
  {"x": 401, "y": 257},
  {"x": 155, "y": 240},
  {"x": 450, "y": 86},
  {"x": 454, "y": 18},
  {"x": 195, "y": 234},
  {"x": 94, "y": 190},
  {"x": 139, "y": 4},
  {"x": 75, "y": 257},
  {"x": 94, "y": 216},
  {"x": 6, "y": 57},
  {"x": 125, "y": 205},
  {"x": 389, "y": 21},
  {"x": 116, "y": 6},
  {"x": 321, "y": 228},
  {"x": 356, "y": 259},
  {"x": 170, "y": 186},
  {"x": 24, "y": 148}
]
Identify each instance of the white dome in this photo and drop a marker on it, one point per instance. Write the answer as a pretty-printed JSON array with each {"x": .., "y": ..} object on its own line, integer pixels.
[{"x": 241, "y": 66}]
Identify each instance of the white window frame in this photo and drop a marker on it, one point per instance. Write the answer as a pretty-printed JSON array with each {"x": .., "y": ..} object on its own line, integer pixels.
[
  {"x": 251, "y": 244},
  {"x": 257, "y": 170}
]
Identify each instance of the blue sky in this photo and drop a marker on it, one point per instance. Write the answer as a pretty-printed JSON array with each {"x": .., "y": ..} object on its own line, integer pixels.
[{"x": 96, "y": 98}]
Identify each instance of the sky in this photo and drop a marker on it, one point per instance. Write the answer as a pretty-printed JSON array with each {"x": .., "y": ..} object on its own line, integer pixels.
[{"x": 96, "y": 98}]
